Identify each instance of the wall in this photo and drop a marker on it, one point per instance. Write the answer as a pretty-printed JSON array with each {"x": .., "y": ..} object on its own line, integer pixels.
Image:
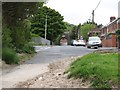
[
  {"x": 109, "y": 42},
  {"x": 40, "y": 40}
]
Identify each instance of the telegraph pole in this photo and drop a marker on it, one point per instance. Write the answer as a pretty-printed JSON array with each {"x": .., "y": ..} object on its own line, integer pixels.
[
  {"x": 45, "y": 26},
  {"x": 93, "y": 16},
  {"x": 78, "y": 30}
]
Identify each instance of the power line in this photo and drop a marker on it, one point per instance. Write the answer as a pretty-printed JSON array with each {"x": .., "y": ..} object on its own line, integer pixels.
[
  {"x": 93, "y": 12},
  {"x": 97, "y": 5}
]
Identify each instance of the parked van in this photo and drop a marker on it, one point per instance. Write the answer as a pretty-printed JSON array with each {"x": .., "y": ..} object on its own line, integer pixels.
[{"x": 94, "y": 42}]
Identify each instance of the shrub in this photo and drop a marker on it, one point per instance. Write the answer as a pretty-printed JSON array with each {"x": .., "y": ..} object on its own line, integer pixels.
[
  {"x": 28, "y": 48},
  {"x": 6, "y": 37},
  {"x": 33, "y": 44},
  {"x": 9, "y": 56}
]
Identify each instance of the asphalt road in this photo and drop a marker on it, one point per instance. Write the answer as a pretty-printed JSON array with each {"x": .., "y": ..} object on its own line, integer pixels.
[
  {"x": 39, "y": 63},
  {"x": 58, "y": 52}
]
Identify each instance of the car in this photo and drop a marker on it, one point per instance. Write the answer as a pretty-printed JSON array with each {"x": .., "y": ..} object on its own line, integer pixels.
[
  {"x": 78, "y": 43},
  {"x": 94, "y": 42}
]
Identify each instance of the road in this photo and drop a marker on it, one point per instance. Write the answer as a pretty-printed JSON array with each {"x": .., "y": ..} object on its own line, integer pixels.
[
  {"x": 58, "y": 52},
  {"x": 39, "y": 63}
]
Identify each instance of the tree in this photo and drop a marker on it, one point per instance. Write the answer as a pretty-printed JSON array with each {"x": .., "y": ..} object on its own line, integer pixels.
[
  {"x": 69, "y": 26},
  {"x": 73, "y": 33},
  {"x": 15, "y": 19},
  {"x": 13, "y": 12},
  {"x": 85, "y": 28},
  {"x": 55, "y": 24}
]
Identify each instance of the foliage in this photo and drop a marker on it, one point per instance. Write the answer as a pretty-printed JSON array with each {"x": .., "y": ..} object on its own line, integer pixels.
[
  {"x": 100, "y": 68},
  {"x": 73, "y": 33},
  {"x": 55, "y": 24},
  {"x": 17, "y": 28},
  {"x": 34, "y": 35},
  {"x": 85, "y": 28},
  {"x": 16, "y": 22},
  {"x": 13, "y": 12},
  {"x": 118, "y": 33},
  {"x": 28, "y": 48},
  {"x": 6, "y": 37},
  {"x": 69, "y": 26},
  {"x": 20, "y": 34},
  {"x": 9, "y": 56}
]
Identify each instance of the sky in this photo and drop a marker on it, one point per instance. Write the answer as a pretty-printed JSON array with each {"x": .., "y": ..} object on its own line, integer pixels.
[{"x": 79, "y": 11}]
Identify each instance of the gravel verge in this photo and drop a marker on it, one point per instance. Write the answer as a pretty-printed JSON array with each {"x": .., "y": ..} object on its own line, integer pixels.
[{"x": 55, "y": 77}]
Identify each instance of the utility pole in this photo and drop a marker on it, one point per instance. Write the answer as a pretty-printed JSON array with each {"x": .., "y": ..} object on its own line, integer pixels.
[
  {"x": 93, "y": 16},
  {"x": 45, "y": 26},
  {"x": 78, "y": 30},
  {"x": 93, "y": 12}
]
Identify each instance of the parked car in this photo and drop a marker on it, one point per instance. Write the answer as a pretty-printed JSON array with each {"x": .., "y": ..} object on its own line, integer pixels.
[
  {"x": 94, "y": 42},
  {"x": 78, "y": 43}
]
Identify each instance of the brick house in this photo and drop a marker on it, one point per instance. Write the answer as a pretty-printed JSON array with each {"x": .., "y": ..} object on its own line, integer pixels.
[{"x": 108, "y": 33}]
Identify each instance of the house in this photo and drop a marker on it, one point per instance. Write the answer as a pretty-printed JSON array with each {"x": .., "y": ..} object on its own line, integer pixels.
[
  {"x": 95, "y": 31},
  {"x": 108, "y": 33}
]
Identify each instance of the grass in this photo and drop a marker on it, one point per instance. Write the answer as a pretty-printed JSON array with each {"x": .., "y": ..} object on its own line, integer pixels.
[{"x": 100, "y": 68}]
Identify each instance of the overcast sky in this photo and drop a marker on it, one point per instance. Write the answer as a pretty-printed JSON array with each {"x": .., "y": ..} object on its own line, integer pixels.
[{"x": 79, "y": 11}]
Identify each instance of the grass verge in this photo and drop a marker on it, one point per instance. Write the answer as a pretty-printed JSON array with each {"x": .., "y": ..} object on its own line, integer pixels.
[{"x": 100, "y": 68}]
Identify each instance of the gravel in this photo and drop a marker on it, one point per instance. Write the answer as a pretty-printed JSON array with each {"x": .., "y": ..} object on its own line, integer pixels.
[{"x": 55, "y": 77}]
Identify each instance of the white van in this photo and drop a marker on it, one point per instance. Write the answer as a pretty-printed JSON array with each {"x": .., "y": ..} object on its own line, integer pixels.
[{"x": 94, "y": 41}]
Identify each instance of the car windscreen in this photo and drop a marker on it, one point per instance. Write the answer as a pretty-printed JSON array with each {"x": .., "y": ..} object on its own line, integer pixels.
[{"x": 94, "y": 39}]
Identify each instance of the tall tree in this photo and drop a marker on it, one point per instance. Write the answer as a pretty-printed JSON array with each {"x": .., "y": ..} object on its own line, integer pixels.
[
  {"x": 55, "y": 24},
  {"x": 13, "y": 12},
  {"x": 14, "y": 18}
]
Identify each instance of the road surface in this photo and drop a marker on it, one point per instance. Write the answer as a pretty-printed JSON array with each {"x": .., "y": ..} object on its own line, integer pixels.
[
  {"x": 39, "y": 63},
  {"x": 58, "y": 52}
]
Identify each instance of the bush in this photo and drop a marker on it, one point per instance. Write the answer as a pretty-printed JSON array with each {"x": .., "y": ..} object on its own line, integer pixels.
[
  {"x": 9, "y": 56},
  {"x": 28, "y": 48},
  {"x": 6, "y": 37}
]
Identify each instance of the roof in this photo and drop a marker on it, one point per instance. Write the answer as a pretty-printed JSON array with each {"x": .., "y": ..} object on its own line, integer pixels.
[{"x": 118, "y": 19}]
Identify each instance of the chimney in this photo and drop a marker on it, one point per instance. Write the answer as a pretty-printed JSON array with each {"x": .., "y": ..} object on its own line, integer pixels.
[{"x": 112, "y": 18}]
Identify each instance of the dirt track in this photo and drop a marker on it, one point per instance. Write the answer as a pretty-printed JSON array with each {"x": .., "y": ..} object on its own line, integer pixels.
[{"x": 55, "y": 77}]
